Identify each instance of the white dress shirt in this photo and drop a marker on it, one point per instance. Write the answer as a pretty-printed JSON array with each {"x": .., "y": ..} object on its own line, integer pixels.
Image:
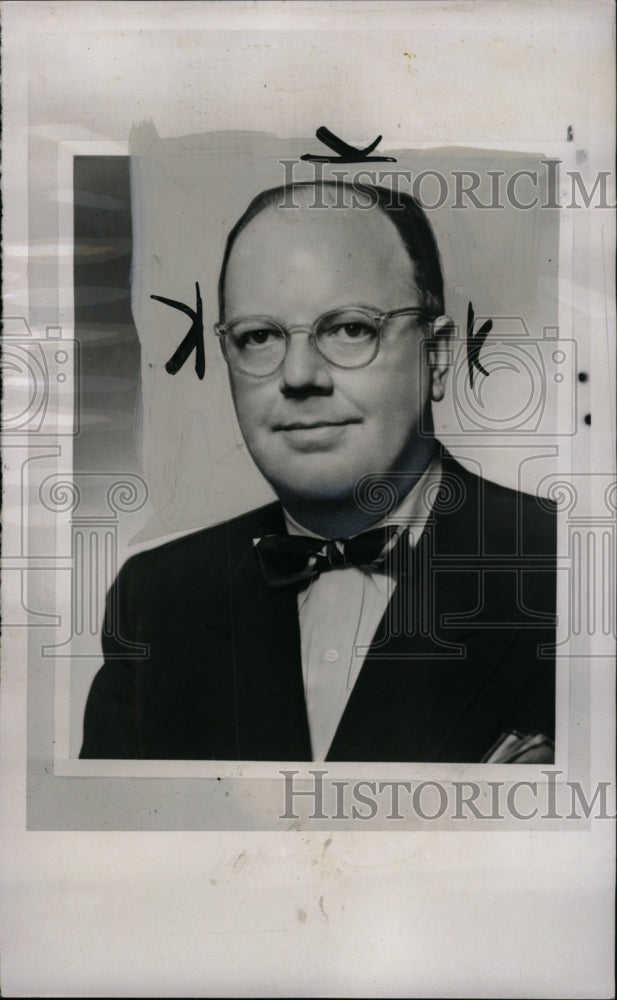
[{"x": 339, "y": 612}]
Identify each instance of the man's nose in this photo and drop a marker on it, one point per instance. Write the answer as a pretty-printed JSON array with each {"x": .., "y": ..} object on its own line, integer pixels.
[{"x": 304, "y": 367}]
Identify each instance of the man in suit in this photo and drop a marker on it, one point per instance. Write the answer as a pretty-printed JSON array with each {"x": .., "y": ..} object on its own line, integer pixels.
[{"x": 392, "y": 605}]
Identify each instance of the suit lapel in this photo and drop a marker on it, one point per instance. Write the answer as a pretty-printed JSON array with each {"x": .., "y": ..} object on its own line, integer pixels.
[
  {"x": 431, "y": 656},
  {"x": 426, "y": 665},
  {"x": 406, "y": 706},
  {"x": 265, "y": 654}
]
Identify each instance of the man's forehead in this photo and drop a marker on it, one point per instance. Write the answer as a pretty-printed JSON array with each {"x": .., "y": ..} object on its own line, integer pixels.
[
  {"x": 299, "y": 263},
  {"x": 316, "y": 220}
]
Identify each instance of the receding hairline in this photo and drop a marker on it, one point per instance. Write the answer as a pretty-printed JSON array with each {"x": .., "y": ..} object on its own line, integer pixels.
[
  {"x": 414, "y": 222},
  {"x": 274, "y": 213}
]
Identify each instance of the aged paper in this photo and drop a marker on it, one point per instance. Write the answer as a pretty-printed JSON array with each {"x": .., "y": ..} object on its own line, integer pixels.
[{"x": 135, "y": 137}]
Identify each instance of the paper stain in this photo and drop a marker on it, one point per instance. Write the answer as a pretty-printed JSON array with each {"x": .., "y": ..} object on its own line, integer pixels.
[
  {"x": 302, "y": 915},
  {"x": 241, "y": 862}
]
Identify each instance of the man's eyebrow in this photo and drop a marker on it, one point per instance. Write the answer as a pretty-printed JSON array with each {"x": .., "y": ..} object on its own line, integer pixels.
[
  {"x": 324, "y": 312},
  {"x": 194, "y": 339}
]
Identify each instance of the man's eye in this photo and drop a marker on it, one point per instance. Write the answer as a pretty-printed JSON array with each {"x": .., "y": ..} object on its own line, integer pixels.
[
  {"x": 351, "y": 331},
  {"x": 257, "y": 338}
]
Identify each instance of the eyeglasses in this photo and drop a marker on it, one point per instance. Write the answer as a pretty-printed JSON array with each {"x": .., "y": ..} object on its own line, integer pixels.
[{"x": 345, "y": 338}]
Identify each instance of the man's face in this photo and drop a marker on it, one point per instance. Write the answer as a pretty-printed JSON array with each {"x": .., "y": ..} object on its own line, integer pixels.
[{"x": 314, "y": 430}]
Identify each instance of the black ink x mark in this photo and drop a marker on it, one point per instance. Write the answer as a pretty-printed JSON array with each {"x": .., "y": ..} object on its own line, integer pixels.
[
  {"x": 194, "y": 338},
  {"x": 476, "y": 343},
  {"x": 346, "y": 153}
]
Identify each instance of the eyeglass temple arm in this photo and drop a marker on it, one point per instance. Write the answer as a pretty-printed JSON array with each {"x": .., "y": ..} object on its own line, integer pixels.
[{"x": 407, "y": 311}]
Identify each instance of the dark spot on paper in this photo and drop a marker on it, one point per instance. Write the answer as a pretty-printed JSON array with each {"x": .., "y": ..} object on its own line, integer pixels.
[{"x": 240, "y": 862}]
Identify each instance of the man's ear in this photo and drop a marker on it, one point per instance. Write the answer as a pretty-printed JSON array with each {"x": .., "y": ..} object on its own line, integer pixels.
[{"x": 439, "y": 356}]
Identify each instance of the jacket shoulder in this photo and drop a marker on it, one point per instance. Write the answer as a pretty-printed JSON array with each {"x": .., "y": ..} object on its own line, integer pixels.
[
  {"x": 507, "y": 517},
  {"x": 206, "y": 550}
]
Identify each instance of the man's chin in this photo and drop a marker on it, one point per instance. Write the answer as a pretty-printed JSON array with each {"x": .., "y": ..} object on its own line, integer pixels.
[{"x": 316, "y": 491}]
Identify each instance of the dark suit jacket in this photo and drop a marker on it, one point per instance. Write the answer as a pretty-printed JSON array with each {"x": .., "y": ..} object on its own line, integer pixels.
[{"x": 202, "y": 658}]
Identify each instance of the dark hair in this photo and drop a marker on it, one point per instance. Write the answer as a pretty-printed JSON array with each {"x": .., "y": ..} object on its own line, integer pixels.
[{"x": 407, "y": 215}]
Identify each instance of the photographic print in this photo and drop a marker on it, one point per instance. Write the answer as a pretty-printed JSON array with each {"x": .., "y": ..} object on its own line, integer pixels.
[
  {"x": 225, "y": 652},
  {"x": 310, "y": 492}
]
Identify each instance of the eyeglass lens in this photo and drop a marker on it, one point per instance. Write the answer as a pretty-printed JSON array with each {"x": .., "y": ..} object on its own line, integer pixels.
[{"x": 347, "y": 338}]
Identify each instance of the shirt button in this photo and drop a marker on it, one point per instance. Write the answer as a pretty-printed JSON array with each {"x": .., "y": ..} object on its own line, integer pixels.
[{"x": 331, "y": 656}]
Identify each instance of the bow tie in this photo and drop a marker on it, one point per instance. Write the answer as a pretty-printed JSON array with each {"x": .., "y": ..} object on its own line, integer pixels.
[{"x": 287, "y": 559}]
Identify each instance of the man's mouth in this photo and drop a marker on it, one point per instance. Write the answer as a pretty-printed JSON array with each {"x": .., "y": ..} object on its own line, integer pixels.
[{"x": 307, "y": 425}]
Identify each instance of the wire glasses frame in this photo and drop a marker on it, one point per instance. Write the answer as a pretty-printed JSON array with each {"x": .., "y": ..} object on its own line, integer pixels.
[{"x": 323, "y": 326}]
